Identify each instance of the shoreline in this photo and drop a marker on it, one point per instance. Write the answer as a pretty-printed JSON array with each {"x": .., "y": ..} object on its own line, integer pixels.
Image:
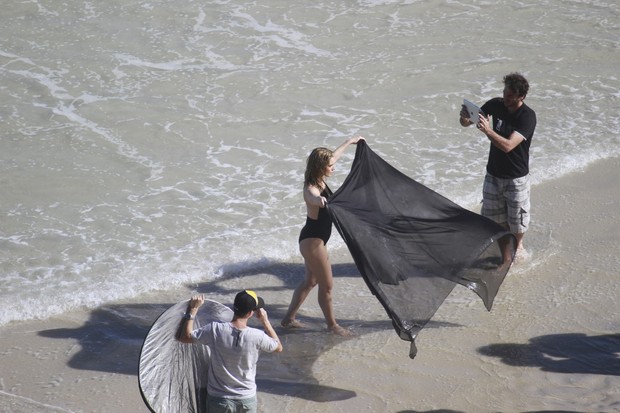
[{"x": 550, "y": 341}]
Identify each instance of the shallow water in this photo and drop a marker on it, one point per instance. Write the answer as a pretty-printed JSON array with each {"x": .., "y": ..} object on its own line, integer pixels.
[{"x": 148, "y": 144}]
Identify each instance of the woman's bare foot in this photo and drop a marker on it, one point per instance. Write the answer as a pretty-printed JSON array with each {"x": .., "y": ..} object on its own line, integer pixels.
[
  {"x": 292, "y": 324},
  {"x": 341, "y": 331}
]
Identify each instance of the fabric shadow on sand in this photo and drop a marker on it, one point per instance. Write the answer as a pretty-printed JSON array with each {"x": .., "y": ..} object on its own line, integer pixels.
[{"x": 412, "y": 245}]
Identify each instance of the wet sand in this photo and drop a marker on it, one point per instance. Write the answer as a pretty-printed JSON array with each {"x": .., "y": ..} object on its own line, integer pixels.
[{"x": 551, "y": 341}]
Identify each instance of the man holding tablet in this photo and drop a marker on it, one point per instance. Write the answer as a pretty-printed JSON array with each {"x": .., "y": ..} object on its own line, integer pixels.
[{"x": 509, "y": 125}]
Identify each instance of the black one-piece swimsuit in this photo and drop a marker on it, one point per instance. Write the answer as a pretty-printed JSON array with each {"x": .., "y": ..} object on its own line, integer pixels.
[{"x": 320, "y": 227}]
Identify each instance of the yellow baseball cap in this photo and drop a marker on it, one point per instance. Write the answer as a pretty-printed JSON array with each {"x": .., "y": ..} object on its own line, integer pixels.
[{"x": 246, "y": 301}]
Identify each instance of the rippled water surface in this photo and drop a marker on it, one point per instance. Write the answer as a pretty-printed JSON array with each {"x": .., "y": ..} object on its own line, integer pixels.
[{"x": 145, "y": 144}]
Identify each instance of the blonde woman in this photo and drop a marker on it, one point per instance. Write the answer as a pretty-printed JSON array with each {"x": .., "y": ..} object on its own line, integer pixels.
[{"x": 314, "y": 236}]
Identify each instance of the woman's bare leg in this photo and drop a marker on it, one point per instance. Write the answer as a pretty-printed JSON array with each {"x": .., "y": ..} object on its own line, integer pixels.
[
  {"x": 302, "y": 290},
  {"x": 299, "y": 296},
  {"x": 317, "y": 261}
]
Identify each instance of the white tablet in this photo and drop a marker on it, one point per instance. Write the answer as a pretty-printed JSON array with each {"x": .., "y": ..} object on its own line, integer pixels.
[{"x": 473, "y": 110}]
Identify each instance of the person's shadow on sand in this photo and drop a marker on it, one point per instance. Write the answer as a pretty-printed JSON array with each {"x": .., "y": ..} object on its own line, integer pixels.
[
  {"x": 111, "y": 340},
  {"x": 563, "y": 353}
]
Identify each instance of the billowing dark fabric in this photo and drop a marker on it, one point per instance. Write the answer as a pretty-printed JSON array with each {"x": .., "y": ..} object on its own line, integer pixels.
[
  {"x": 173, "y": 375},
  {"x": 412, "y": 245}
]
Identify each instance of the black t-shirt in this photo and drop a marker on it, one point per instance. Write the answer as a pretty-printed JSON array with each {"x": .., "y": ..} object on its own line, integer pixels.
[{"x": 515, "y": 163}]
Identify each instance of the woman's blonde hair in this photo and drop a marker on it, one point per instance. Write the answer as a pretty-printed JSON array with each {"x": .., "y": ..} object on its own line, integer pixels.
[{"x": 316, "y": 163}]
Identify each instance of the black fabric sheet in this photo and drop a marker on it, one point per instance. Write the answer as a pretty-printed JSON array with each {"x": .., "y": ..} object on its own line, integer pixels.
[{"x": 412, "y": 245}]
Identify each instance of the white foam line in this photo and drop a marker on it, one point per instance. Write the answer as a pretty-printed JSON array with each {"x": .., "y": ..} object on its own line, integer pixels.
[
  {"x": 68, "y": 111},
  {"x": 31, "y": 403},
  {"x": 123, "y": 148},
  {"x": 218, "y": 62},
  {"x": 16, "y": 57},
  {"x": 280, "y": 35}
]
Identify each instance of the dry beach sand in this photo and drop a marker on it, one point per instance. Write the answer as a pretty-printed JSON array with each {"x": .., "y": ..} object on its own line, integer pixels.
[{"x": 551, "y": 342}]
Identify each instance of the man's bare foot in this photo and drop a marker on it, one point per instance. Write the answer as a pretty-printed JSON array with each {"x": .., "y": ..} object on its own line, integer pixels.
[
  {"x": 292, "y": 324},
  {"x": 341, "y": 331},
  {"x": 521, "y": 256}
]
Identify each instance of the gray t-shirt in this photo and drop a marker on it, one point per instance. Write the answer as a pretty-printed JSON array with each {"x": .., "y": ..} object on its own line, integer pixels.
[{"x": 234, "y": 354}]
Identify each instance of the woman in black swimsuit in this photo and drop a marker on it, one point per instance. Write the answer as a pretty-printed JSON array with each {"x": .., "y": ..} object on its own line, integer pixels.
[{"x": 314, "y": 237}]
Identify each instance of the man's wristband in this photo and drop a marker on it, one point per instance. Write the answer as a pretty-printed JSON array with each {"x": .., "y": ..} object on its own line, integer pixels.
[{"x": 188, "y": 316}]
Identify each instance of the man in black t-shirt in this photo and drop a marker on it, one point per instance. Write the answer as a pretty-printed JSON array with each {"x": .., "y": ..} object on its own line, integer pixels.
[{"x": 506, "y": 190}]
